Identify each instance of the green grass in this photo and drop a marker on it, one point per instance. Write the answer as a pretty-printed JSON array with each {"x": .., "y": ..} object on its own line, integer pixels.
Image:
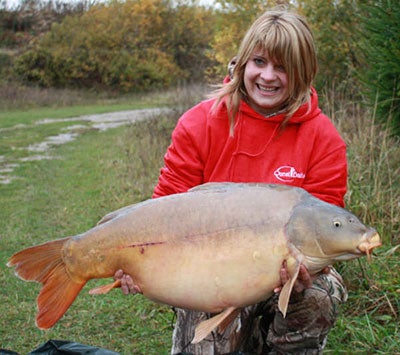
[
  {"x": 25, "y": 105},
  {"x": 98, "y": 173},
  {"x": 29, "y": 116},
  {"x": 103, "y": 171},
  {"x": 57, "y": 198},
  {"x": 369, "y": 321}
]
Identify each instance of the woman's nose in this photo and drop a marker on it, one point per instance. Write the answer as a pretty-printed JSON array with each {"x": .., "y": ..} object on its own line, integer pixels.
[{"x": 268, "y": 72}]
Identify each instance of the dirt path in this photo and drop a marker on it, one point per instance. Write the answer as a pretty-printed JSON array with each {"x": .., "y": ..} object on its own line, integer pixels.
[{"x": 42, "y": 150}]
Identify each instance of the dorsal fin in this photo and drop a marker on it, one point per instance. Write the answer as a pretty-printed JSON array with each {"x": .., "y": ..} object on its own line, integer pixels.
[
  {"x": 223, "y": 186},
  {"x": 121, "y": 211},
  {"x": 207, "y": 326},
  {"x": 212, "y": 186}
]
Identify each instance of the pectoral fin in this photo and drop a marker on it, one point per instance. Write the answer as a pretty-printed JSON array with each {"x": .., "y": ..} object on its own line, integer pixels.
[
  {"x": 207, "y": 326},
  {"x": 105, "y": 289},
  {"x": 286, "y": 291},
  {"x": 228, "y": 320}
]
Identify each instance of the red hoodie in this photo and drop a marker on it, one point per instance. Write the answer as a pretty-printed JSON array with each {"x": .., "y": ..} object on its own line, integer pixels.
[{"x": 308, "y": 152}]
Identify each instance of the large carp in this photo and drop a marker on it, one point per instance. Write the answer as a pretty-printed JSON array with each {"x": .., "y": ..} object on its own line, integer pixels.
[{"x": 216, "y": 248}]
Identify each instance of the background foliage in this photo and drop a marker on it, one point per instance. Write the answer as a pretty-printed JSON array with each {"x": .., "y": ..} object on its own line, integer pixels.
[
  {"x": 137, "y": 45},
  {"x": 232, "y": 22},
  {"x": 334, "y": 28},
  {"x": 128, "y": 46},
  {"x": 379, "y": 68}
]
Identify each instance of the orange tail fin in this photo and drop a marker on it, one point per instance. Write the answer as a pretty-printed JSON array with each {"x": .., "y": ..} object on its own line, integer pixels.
[{"x": 43, "y": 263}]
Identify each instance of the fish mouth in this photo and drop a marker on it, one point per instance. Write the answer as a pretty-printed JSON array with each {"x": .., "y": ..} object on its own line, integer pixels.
[{"x": 370, "y": 241}]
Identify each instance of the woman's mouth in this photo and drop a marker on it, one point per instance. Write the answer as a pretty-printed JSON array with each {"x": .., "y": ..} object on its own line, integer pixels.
[{"x": 267, "y": 89}]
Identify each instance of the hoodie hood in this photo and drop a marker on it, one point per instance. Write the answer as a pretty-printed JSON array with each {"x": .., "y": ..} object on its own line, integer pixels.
[{"x": 306, "y": 112}]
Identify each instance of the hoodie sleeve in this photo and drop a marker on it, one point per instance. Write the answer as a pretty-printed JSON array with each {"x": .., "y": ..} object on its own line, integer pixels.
[
  {"x": 330, "y": 183},
  {"x": 183, "y": 166},
  {"x": 327, "y": 171}
]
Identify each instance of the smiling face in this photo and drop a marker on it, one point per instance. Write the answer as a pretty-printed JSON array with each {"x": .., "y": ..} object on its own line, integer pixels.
[
  {"x": 284, "y": 38},
  {"x": 266, "y": 83}
]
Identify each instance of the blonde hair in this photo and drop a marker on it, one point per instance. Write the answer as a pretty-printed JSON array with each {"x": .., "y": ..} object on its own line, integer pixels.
[{"x": 287, "y": 38}]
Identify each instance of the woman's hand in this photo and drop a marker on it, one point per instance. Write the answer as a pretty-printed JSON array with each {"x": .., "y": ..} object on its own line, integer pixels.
[
  {"x": 304, "y": 279},
  {"x": 127, "y": 284}
]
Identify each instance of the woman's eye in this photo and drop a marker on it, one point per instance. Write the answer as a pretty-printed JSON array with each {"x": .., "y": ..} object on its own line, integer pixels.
[
  {"x": 280, "y": 68},
  {"x": 258, "y": 61}
]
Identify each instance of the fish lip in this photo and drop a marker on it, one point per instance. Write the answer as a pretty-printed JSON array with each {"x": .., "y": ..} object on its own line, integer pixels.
[{"x": 370, "y": 241}]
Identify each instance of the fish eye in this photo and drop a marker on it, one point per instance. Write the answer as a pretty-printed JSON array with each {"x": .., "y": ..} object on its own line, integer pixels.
[{"x": 337, "y": 224}]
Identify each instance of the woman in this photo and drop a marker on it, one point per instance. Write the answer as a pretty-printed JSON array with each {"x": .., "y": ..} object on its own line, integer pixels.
[{"x": 263, "y": 125}]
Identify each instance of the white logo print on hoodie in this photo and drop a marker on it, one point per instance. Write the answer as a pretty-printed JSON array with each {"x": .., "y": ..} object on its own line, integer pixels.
[{"x": 288, "y": 173}]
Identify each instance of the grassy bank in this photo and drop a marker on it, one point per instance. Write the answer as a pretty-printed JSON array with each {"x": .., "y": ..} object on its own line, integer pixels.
[
  {"x": 102, "y": 171},
  {"x": 61, "y": 197}
]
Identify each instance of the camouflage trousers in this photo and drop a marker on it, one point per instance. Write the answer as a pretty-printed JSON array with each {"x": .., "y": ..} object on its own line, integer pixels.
[{"x": 261, "y": 328}]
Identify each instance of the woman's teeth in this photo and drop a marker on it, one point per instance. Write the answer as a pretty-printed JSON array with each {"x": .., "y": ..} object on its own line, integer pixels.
[{"x": 267, "y": 89}]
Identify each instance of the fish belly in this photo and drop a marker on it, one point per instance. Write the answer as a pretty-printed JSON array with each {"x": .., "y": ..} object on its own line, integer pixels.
[
  {"x": 207, "y": 275},
  {"x": 198, "y": 250}
]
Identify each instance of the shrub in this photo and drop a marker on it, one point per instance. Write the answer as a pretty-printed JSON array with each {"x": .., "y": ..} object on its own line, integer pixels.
[
  {"x": 333, "y": 26},
  {"x": 380, "y": 70},
  {"x": 129, "y": 46}
]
